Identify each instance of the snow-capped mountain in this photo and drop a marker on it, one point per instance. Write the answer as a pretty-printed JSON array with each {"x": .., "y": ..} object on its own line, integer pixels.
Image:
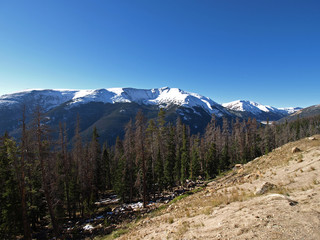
[
  {"x": 111, "y": 108},
  {"x": 164, "y": 97},
  {"x": 245, "y": 109},
  {"x": 108, "y": 109},
  {"x": 311, "y": 111}
]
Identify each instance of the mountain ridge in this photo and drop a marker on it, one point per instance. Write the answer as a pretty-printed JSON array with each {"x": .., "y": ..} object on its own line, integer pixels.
[
  {"x": 246, "y": 109},
  {"x": 156, "y": 96},
  {"x": 311, "y": 111},
  {"x": 109, "y": 109}
]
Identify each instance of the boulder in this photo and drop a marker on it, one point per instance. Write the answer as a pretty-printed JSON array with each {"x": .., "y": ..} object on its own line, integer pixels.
[
  {"x": 237, "y": 166},
  {"x": 265, "y": 188},
  {"x": 277, "y": 196},
  {"x": 295, "y": 150}
]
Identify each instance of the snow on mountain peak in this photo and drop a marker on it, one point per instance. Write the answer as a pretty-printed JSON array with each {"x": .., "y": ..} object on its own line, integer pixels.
[
  {"x": 164, "y": 97},
  {"x": 290, "y": 110},
  {"x": 156, "y": 96},
  {"x": 256, "y": 108},
  {"x": 50, "y": 98}
]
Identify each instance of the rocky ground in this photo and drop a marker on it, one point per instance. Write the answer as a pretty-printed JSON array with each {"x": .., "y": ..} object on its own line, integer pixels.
[{"x": 276, "y": 196}]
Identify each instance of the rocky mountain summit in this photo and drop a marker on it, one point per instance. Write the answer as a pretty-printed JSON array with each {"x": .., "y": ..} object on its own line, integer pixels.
[{"x": 275, "y": 196}]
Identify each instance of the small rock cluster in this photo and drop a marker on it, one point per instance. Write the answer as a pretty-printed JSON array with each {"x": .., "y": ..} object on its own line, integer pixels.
[{"x": 265, "y": 188}]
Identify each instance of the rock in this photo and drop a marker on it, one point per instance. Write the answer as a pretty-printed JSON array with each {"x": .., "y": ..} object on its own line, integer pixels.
[
  {"x": 277, "y": 196},
  {"x": 312, "y": 138},
  {"x": 191, "y": 184},
  {"x": 237, "y": 166},
  {"x": 265, "y": 188},
  {"x": 295, "y": 150},
  {"x": 253, "y": 175},
  {"x": 199, "y": 178}
]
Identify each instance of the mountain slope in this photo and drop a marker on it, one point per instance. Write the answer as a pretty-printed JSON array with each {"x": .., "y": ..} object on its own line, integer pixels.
[
  {"x": 107, "y": 109},
  {"x": 110, "y": 109},
  {"x": 303, "y": 113},
  {"x": 229, "y": 208},
  {"x": 246, "y": 109},
  {"x": 164, "y": 97}
]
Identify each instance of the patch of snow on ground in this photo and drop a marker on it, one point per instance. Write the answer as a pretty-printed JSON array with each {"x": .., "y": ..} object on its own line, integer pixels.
[{"x": 88, "y": 227}]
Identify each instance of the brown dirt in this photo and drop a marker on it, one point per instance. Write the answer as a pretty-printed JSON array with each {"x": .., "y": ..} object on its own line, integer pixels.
[{"x": 229, "y": 209}]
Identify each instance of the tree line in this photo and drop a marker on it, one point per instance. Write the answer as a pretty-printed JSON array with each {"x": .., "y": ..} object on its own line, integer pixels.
[{"x": 62, "y": 179}]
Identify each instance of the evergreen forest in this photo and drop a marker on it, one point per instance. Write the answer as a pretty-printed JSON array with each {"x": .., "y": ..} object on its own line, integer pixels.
[{"x": 56, "y": 180}]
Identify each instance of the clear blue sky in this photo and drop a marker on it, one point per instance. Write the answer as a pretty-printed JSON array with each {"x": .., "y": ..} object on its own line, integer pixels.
[{"x": 266, "y": 51}]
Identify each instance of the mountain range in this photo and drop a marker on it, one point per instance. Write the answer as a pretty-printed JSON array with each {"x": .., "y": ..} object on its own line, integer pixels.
[
  {"x": 110, "y": 109},
  {"x": 246, "y": 109}
]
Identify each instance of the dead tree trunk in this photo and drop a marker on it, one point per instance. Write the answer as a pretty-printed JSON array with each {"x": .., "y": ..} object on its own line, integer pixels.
[
  {"x": 40, "y": 131},
  {"x": 26, "y": 223}
]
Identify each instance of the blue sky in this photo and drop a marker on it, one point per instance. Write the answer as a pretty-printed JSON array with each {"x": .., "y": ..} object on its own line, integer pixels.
[{"x": 266, "y": 51}]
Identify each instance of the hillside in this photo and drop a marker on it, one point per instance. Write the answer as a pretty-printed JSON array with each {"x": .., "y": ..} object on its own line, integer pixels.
[
  {"x": 230, "y": 207},
  {"x": 302, "y": 113},
  {"x": 248, "y": 109}
]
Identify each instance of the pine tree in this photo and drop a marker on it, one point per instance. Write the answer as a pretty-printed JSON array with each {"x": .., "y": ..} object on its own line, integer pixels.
[
  {"x": 120, "y": 170},
  {"x": 77, "y": 181},
  {"x": 141, "y": 157},
  {"x": 195, "y": 164},
  {"x": 212, "y": 167},
  {"x": 129, "y": 155},
  {"x": 225, "y": 160},
  {"x": 185, "y": 157},
  {"x": 42, "y": 154},
  {"x": 153, "y": 146},
  {"x": 99, "y": 167},
  {"x": 63, "y": 182},
  {"x": 178, "y": 144},
  {"x": 159, "y": 172},
  {"x": 107, "y": 162},
  {"x": 10, "y": 199},
  {"x": 22, "y": 179},
  {"x": 169, "y": 160}
]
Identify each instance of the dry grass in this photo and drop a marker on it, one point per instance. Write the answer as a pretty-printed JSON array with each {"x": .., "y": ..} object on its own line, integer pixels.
[
  {"x": 315, "y": 181},
  {"x": 282, "y": 155},
  {"x": 182, "y": 229},
  {"x": 229, "y": 197},
  {"x": 204, "y": 203},
  {"x": 300, "y": 158}
]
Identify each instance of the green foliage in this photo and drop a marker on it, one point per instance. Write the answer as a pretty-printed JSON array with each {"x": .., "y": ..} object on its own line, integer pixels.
[
  {"x": 195, "y": 164},
  {"x": 212, "y": 163},
  {"x": 181, "y": 197},
  {"x": 169, "y": 160},
  {"x": 159, "y": 169},
  {"x": 185, "y": 157},
  {"x": 107, "y": 163},
  {"x": 10, "y": 205}
]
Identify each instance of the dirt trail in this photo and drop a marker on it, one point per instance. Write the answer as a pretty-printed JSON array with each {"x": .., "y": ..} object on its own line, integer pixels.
[{"x": 228, "y": 208}]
